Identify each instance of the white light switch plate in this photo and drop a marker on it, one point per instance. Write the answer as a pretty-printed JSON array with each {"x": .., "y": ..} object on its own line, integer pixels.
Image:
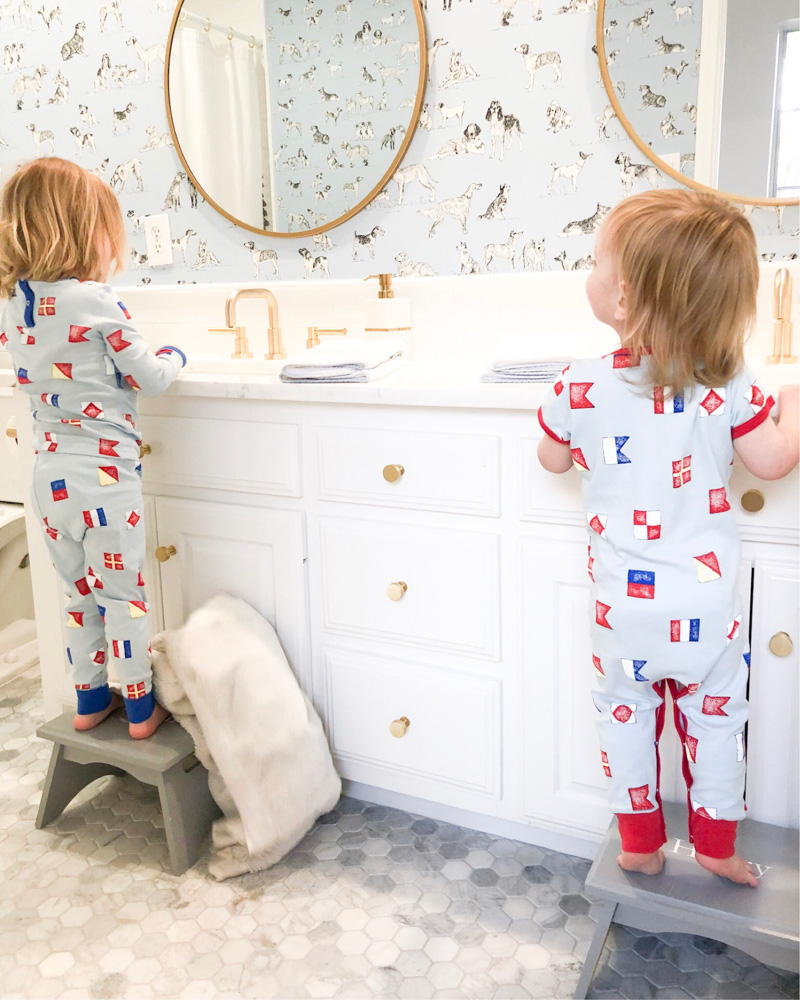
[{"x": 158, "y": 240}]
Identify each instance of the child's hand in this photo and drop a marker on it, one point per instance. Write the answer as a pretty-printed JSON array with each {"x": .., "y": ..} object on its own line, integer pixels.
[{"x": 169, "y": 350}]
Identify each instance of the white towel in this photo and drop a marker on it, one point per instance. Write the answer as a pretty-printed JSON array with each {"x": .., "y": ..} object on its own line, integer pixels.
[
  {"x": 519, "y": 358},
  {"x": 225, "y": 678},
  {"x": 338, "y": 361},
  {"x": 342, "y": 373}
]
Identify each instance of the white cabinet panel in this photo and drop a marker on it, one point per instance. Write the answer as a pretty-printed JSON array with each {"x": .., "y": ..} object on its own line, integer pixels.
[
  {"x": 563, "y": 779},
  {"x": 543, "y": 496},
  {"x": 223, "y": 454},
  {"x": 452, "y": 580},
  {"x": 781, "y": 499},
  {"x": 251, "y": 553},
  {"x": 773, "y": 732},
  {"x": 454, "y": 735},
  {"x": 451, "y": 472}
]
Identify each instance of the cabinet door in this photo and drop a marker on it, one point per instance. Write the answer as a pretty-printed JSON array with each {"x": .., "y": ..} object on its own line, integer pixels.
[
  {"x": 773, "y": 776},
  {"x": 563, "y": 780},
  {"x": 251, "y": 553}
]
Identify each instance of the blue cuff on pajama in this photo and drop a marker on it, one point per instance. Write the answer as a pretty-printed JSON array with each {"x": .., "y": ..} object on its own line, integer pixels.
[
  {"x": 140, "y": 709},
  {"x": 93, "y": 700}
]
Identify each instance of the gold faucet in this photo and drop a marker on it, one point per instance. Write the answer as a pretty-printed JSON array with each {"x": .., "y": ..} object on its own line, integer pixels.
[
  {"x": 782, "y": 341},
  {"x": 241, "y": 346}
]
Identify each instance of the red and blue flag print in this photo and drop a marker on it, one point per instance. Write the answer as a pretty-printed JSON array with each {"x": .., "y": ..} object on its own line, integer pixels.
[
  {"x": 684, "y": 630},
  {"x": 58, "y": 488},
  {"x": 641, "y": 583}
]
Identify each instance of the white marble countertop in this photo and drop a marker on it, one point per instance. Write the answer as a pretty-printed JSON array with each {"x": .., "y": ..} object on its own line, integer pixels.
[{"x": 415, "y": 384}]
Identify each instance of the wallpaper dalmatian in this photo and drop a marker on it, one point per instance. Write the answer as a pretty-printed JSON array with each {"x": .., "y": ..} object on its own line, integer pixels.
[{"x": 515, "y": 163}]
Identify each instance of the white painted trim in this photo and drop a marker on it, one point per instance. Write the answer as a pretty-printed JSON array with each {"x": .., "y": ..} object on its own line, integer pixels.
[{"x": 709, "y": 91}]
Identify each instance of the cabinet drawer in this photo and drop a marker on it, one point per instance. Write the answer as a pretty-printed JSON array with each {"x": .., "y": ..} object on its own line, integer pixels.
[
  {"x": 454, "y": 731},
  {"x": 451, "y": 600},
  {"x": 223, "y": 454},
  {"x": 779, "y": 498},
  {"x": 455, "y": 472},
  {"x": 543, "y": 496}
]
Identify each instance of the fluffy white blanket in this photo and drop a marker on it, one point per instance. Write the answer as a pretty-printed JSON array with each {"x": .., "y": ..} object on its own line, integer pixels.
[{"x": 225, "y": 678}]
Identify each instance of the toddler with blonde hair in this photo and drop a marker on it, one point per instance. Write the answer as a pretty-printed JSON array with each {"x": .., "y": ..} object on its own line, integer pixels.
[
  {"x": 81, "y": 362},
  {"x": 652, "y": 428}
]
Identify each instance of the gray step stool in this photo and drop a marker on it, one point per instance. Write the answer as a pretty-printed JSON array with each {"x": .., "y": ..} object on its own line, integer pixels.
[
  {"x": 165, "y": 760},
  {"x": 685, "y": 898}
]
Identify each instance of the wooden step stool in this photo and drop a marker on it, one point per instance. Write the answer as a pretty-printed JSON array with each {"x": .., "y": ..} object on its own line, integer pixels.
[
  {"x": 165, "y": 760},
  {"x": 685, "y": 898}
]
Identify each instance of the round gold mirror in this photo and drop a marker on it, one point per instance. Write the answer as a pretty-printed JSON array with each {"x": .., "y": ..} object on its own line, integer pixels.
[
  {"x": 291, "y": 118},
  {"x": 707, "y": 89}
]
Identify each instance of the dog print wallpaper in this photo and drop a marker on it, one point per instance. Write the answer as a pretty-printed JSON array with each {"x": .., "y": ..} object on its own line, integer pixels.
[
  {"x": 516, "y": 160},
  {"x": 654, "y": 62},
  {"x": 343, "y": 85}
]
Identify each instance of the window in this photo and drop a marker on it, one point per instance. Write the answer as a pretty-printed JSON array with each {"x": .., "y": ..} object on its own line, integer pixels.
[{"x": 785, "y": 179}]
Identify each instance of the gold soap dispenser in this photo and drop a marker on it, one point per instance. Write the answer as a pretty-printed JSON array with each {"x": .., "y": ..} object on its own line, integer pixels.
[
  {"x": 782, "y": 340},
  {"x": 387, "y": 316}
]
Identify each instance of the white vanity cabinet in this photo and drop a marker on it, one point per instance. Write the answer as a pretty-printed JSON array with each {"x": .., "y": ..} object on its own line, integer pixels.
[{"x": 428, "y": 582}]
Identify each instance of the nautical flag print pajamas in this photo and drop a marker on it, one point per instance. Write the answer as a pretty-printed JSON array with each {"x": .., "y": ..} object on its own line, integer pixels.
[
  {"x": 663, "y": 562},
  {"x": 81, "y": 362}
]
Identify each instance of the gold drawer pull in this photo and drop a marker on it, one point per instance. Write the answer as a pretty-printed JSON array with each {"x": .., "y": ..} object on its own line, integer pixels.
[
  {"x": 145, "y": 449},
  {"x": 393, "y": 473},
  {"x": 399, "y": 726},
  {"x": 781, "y": 644},
  {"x": 753, "y": 500},
  {"x": 395, "y": 591},
  {"x": 164, "y": 552},
  {"x": 11, "y": 432}
]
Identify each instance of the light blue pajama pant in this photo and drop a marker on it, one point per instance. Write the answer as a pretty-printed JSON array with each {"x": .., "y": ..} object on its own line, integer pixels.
[{"x": 94, "y": 530}]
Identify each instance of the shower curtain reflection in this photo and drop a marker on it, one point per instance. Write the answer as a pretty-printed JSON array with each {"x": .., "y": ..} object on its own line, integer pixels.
[{"x": 218, "y": 103}]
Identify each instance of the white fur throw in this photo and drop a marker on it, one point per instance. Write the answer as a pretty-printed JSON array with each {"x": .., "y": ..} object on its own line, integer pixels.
[{"x": 225, "y": 678}]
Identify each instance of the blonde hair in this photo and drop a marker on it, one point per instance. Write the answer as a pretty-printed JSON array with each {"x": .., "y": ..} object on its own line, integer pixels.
[
  {"x": 54, "y": 220},
  {"x": 689, "y": 267}
]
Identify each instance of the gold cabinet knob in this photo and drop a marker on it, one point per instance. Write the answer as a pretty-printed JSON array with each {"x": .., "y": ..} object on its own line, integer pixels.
[
  {"x": 781, "y": 644},
  {"x": 145, "y": 449},
  {"x": 395, "y": 591},
  {"x": 165, "y": 552},
  {"x": 752, "y": 500},
  {"x": 393, "y": 473},
  {"x": 399, "y": 726},
  {"x": 11, "y": 432}
]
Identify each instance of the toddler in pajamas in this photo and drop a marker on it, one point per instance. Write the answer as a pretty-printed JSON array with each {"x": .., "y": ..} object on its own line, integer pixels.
[
  {"x": 652, "y": 429},
  {"x": 82, "y": 363}
]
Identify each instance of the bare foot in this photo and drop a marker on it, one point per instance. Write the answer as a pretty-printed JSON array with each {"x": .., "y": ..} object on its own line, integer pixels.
[
  {"x": 734, "y": 868},
  {"x": 84, "y": 722},
  {"x": 648, "y": 864},
  {"x": 141, "y": 730}
]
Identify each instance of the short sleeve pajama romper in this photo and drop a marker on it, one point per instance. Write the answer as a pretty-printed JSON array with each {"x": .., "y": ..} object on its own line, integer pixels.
[
  {"x": 81, "y": 361},
  {"x": 663, "y": 562}
]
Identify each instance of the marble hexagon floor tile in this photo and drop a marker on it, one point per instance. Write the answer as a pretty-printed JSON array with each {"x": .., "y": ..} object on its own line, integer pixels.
[{"x": 374, "y": 902}]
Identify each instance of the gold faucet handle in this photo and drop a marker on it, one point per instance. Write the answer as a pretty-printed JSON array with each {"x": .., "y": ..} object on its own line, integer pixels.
[
  {"x": 315, "y": 332},
  {"x": 241, "y": 347}
]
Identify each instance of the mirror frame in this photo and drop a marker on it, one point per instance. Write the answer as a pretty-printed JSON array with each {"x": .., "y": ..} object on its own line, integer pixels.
[
  {"x": 643, "y": 146},
  {"x": 305, "y": 233}
]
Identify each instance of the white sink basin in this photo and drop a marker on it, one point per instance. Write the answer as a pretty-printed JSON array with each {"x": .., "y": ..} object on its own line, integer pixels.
[{"x": 224, "y": 364}]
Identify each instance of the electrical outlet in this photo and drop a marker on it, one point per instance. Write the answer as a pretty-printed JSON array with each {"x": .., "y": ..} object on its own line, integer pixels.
[{"x": 158, "y": 240}]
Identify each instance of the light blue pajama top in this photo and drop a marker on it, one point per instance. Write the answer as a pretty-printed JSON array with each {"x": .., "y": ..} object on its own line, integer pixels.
[
  {"x": 81, "y": 361},
  {"x": 664, "y": 548}
]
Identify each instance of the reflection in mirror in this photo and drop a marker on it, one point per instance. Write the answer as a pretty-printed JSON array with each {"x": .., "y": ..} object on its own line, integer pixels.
[
  {"x": 705, "y": 84},
  {"x": 290, "y": 116}
]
